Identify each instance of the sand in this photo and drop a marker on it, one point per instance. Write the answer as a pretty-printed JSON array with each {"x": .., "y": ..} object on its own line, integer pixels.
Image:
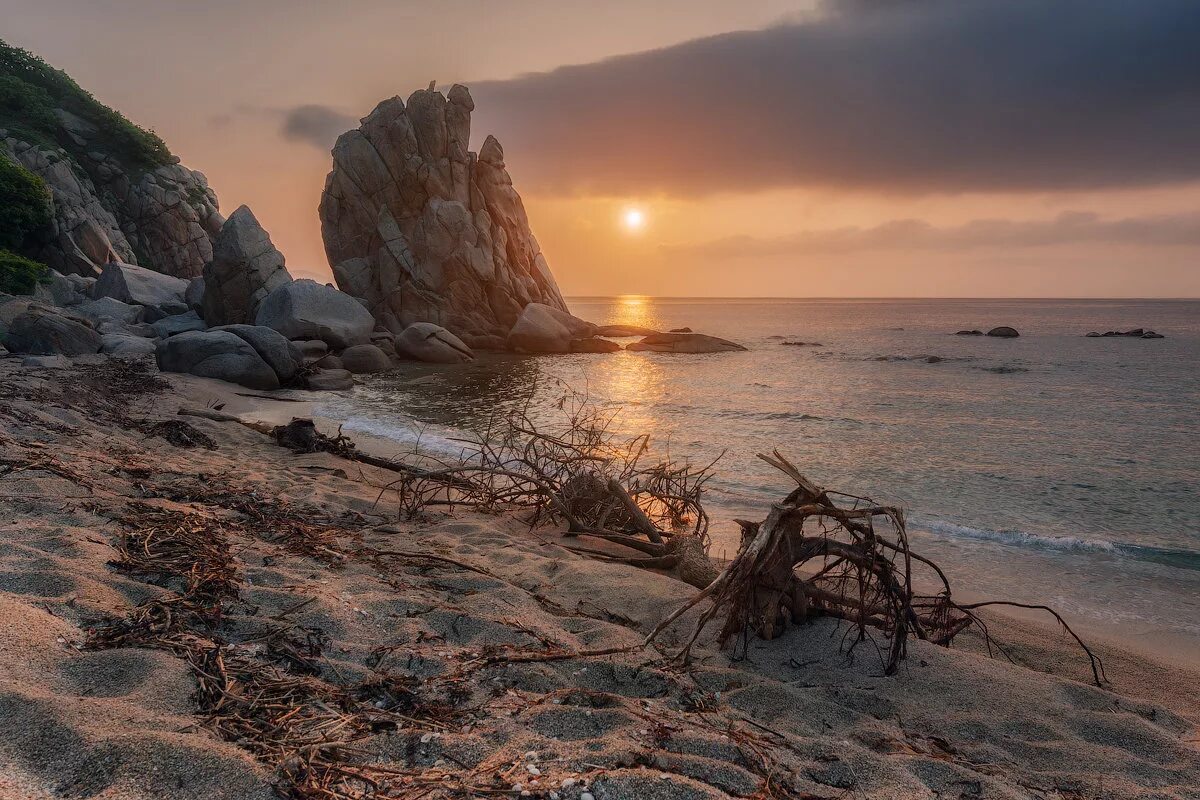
[{"x": 798, "y": 717}]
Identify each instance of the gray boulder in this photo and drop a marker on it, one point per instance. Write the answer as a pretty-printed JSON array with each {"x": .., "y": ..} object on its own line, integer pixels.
[
  {"x": 594, "y": 345},
  {"x": 274, "y": 348},
  {"x": 244, "y": 269},
  {"x": 179, "y": 323},
  {"x": 306, "y": 309},
  {"x": 57, "y": 290},
  {"x": 172, "y": 309},
  {"x": 193, "y": 295},
  {"x": 365, "y": 358},
  {"x": 108, "y": 308},
  {"x": 684, "y": 343},
  {"x": 141, "y": 329},
  {"x": 131, "y": 284},
  {"x": 312, "y": 349},
  {"x": 425, "y": 341},
  {"x": 216, "y": 354},
  {"x": 543, "y": 329},
  {"x": 329, "y": 380},
  {"x": 426, "y": 231},
  {"x": 41, "y": 332},
  {"x": 126, "y": 346},
  {"x": 1004, "y": 332}
]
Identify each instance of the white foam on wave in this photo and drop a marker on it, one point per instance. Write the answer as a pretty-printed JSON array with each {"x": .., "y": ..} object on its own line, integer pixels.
[
  {"x": 412, "y": 435},
  {"x": 1076, "y": 544}
]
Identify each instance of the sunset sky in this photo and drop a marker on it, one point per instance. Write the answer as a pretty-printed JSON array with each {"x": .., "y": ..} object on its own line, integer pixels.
[{"x": 858, "y": 148}]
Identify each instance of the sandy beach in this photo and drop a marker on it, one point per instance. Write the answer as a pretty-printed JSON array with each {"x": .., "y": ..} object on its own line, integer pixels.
[{"x": 357, "y": 643}]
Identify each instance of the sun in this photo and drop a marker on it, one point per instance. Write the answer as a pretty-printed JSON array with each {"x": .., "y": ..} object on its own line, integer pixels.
[{"x": 633, "y": 219}]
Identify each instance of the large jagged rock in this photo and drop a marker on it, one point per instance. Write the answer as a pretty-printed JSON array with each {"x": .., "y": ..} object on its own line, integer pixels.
[
  {"x": 425, "y": 230},
  {"x": 306, "y": 309},
  {"x": 245, "y": 267},
  {"x": 163, "y": 219}
]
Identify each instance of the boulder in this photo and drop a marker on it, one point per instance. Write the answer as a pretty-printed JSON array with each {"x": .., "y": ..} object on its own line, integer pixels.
[
  {"x": 970, "y": 333},
  {"x": 172, "y": 309},
  {"x": 57, "y": 290},
  {"x": 1093, "y": 335},
  {"x": 312, "y": 349},
  {"x": 424, "y": 230},
  {"x": 1004, "y": 332},
  {"x": 107, "y": 308},
  {"x": 329, "y": 380},
  {"x": 543, "y": 329},
  {"x": 365, "y": 358},
  {"x": 82, "y": 284},
  {"x": 124, "y": 329},
  {"x": 425, "y": 341},
  {"x": 216, "y": 354},
  {"x": 329, "y": 361},
  {"x": 131, "y": 284},
  {"x": 681, "y": 330},
  {"x": 306, "y": 309},
  {"x": 272, "y": 346},
  {"x": 41, "y": 332},
  {"x": 684, "y": 343},
  {"x": 594, "y": 345},
  {"x": 488, "y": 343},
  {"x": 1152, "y": 335},
  {"x": 180, "y": 323},
  {"x": 193, "y": 295},
  {"x": 123, "y": 345},
  {"x": 244, "y": 269}
]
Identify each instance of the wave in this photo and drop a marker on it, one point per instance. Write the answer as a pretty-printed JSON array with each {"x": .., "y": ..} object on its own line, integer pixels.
[
  {"x": 411, "y": 435},
  {"x": 1179, "y": 558}
]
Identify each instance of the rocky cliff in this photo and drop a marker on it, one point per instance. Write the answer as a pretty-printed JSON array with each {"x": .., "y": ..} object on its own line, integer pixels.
[
  {"x": 424, "y": 230},
  {"x": 117, "y": 193}
]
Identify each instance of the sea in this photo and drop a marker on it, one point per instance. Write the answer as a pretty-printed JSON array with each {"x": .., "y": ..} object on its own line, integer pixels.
[{"x": 1049, "y": 468}]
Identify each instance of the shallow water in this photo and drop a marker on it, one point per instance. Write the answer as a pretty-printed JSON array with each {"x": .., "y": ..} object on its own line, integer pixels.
[{"x": 1049, "y": 468}]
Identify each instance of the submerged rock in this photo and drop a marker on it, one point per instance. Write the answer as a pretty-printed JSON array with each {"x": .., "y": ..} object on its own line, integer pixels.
[
  {"x": 329, "y": 380},
  {"x": 1004, "y": 332},
  {"x": 684, "y": 343},
  {"x": 426, "y": 231},
  {"x": 975, "y": 332},
  {"x": 594, "y": 345}
]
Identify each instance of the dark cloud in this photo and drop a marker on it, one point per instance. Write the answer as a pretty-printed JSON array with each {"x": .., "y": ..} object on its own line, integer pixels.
[
  {"x": 1073, "y": 227},
  {"x": 932, "y": 95},
  {"x": 315, "y": 124}
]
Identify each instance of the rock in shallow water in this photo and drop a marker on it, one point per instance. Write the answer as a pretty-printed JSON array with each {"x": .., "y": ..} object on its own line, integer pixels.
[
  {"x": 542, "y": 329},
  {"x": 684, "y": 343},
  {"x": 365, "y": 358},
  {"x": 329, "y": 380},
  {"x": 1004, "y": 332},
  {"x": 425, "y": 341}
]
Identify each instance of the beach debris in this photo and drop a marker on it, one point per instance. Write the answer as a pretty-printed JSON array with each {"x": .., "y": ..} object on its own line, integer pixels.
[
  {"x": 180, "y": 434},
  {"x": 605, "y": 487}
]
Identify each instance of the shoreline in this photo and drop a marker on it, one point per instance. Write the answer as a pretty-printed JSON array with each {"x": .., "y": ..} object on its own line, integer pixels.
[{"x": 796, "y": 709}]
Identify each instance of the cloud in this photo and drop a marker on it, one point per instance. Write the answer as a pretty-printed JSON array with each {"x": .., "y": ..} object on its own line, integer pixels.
[
  {"x": 899, "y": 95},
  {"x": 315, "y": 124},
  {"x": 1069, "y": 228}
]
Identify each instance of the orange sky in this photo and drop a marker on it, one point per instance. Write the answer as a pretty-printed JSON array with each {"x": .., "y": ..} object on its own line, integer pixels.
[{"x": 217, "y": 79}]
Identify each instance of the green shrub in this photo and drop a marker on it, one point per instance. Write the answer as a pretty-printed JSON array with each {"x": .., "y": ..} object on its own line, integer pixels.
[
  {"x": 20, "y": 275},
  {"x": 30, "y": 90},
  {"x": 24, "y": 203}
]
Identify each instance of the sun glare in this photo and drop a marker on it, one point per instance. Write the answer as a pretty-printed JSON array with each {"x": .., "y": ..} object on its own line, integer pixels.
[{"x": 634, "y": 219}]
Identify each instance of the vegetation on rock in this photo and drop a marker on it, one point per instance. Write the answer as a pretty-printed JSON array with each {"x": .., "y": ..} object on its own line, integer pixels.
[
  {"x": 30, "y": 93},
  {"x": 19, "y": 275},
  {"x": 24, "y": 203}
]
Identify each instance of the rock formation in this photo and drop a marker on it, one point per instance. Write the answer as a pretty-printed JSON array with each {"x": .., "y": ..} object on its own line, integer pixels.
[
  {"x": 245, "y": 267},
  {"x": 306, "y": 309},
  {"x": 163, "y": 219},
  {"x": 426, "y": 231}
]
